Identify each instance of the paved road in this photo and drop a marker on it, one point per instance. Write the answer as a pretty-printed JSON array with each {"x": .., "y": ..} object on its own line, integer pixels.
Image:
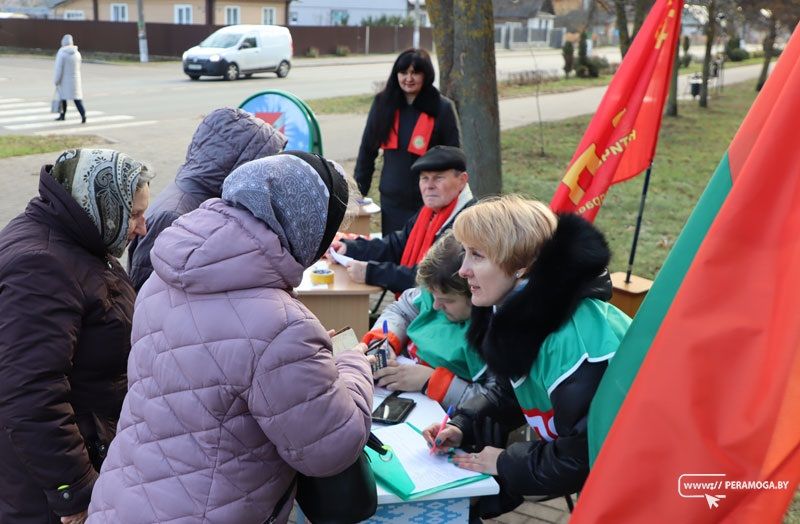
[{"x": 160, "y": 91}]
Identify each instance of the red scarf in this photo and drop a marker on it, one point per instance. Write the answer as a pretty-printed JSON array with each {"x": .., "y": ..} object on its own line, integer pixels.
[
  {"x": 423, "y": 233},
  {"x": 420, "y": 136}
]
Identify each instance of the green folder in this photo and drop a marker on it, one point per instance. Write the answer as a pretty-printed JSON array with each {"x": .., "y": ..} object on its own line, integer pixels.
[{"x": 391, "y": 475}]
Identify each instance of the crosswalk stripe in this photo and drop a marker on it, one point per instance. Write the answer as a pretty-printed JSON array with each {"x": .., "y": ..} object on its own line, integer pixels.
[
  {"x": 26, "y": 104},
  {"x": 9, "y": 100},
  {"x": 112, "y": 118},
  {"x": 83, "y": 129},
  {"x": 28, "y": 111},
  {"x": 44, "y": 116}
]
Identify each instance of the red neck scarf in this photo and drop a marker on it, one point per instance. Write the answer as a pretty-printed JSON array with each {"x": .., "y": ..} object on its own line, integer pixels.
[{"x": 424, "y": 231}]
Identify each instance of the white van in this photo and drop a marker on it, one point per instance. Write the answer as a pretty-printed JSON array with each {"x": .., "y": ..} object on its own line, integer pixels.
[{"x": 241, "y": 50}]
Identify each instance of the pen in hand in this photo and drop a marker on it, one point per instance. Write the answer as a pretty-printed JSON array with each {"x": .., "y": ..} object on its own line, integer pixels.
[{"x": 446, "y": 418}]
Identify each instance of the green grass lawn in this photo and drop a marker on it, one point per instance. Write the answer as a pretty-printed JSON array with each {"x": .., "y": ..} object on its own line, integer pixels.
[
  {"x": 361, "y": 103},
  {"x": 20, "y": 145},
  {"x": 793, "y": 513},
  {"x": 341, "y": 104}
]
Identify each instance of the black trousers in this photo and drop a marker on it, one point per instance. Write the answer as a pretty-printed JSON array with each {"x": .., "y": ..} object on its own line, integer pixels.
[{"x": 78, "y": 104}]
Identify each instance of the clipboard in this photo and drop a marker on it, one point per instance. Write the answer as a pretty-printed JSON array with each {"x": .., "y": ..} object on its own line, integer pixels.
[{"x": 391, "y": 474}]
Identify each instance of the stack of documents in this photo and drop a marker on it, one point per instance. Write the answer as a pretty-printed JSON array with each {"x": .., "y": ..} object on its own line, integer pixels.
[{"x": 409, "y": 470}]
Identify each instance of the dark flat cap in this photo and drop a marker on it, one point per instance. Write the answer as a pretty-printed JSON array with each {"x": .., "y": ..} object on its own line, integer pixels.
[{"x": 440, "y": 158}]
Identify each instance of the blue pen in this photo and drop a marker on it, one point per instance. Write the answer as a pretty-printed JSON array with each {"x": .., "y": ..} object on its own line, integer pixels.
[{"x": 385, "y": 327}]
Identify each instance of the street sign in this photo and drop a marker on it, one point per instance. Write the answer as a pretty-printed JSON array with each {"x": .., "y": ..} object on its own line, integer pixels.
[{"x": 289, "y": 115}]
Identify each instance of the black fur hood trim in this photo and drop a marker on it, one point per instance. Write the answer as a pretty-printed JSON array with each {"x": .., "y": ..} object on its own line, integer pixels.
[{"x": 566, "y": 271}]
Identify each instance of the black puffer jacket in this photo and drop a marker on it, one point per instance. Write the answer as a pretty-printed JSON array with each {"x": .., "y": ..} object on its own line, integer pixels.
[
  {"x": 224, "y": 140},
  {"x": 570, "y": 267},
  {"x": 65, "y": 327}
]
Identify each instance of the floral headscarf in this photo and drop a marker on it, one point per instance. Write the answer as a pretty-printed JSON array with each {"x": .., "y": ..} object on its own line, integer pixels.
[{"x": 103, "y": 182}]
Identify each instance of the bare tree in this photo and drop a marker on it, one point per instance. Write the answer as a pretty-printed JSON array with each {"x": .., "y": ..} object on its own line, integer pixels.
[
  {"x": 640, "y": 10},
  {"x": 711, "y": 31},
  {"x": 774, "y": 17},
  {"x": 672, "y": 101},
  {"x": 621, "y": 7},
  {"x": 464, "y": 35}
]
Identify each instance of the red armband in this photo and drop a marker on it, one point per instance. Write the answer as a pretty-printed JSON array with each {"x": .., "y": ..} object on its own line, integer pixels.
[{"x": 439, "y": 383}]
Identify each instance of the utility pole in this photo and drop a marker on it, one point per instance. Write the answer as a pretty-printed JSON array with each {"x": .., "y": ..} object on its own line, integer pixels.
[
  {"x": 415, "y": 42},
  {"x": 142, "y": 32}
]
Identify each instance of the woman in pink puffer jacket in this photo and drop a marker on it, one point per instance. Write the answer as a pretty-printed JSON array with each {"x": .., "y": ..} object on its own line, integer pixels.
[{"x": 232, "y": 384}]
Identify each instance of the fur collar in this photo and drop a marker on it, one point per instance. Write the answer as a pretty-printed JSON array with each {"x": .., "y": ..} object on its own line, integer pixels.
[{"x": 567, "y": 270}]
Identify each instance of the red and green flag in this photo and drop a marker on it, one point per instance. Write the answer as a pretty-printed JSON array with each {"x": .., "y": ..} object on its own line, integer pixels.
[
  {"x": 704, "y": 391},
  {"x": 621, "y": 138}
]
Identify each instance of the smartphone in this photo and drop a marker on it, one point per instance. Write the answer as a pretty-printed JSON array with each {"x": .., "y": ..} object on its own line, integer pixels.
[
  {"x": 393, "y": 409},
  {"x": 378, "y": 348},
  {"x": 343, "y": 340}
]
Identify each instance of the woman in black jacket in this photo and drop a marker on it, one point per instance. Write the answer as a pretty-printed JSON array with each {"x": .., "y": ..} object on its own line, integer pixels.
[
  {"x": 539, "y": 319},
  {"x": 66, "y": 307},
  {"x": 406, "y": 119}
]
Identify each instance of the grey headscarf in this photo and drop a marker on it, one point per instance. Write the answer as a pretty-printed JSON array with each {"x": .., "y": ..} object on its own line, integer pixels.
[
  {"x": 291, "y": 197},
  {"x": 103, "y": 182},
  {"x": 66, "y": 40}
]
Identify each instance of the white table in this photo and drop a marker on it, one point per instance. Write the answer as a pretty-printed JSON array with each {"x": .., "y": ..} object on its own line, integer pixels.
[{"x": 451, "y": 505}]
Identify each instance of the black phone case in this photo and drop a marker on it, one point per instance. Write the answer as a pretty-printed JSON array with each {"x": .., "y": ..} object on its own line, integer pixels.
[{"x": 400, "y": 417}]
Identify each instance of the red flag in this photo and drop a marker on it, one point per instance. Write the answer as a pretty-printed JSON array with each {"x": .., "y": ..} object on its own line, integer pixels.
[
  {"x": 708, "y": 431},
  {"x": 621, "y": 139}
]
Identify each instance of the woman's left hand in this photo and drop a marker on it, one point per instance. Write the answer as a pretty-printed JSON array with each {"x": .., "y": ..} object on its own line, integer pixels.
[
  {"x": 483, "y": 462},
  {"x": 357, "y": 271},
  {"x": 395, "y": 377}
]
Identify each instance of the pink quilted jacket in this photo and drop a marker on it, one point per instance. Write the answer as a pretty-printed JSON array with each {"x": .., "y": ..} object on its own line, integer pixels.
[{"x": 232, "y": 384}]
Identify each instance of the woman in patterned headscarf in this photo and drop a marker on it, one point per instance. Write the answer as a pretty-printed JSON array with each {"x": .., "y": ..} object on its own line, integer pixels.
[{"x": 66, "y": 309}]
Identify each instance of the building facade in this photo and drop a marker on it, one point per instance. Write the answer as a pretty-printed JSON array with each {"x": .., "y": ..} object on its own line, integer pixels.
[
  {"x": 225, "y": 12},
  {"x": 351, "y": 12}
]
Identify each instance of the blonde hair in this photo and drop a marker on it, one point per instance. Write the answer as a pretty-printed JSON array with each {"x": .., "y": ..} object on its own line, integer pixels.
[{"x": 509, "y": 230}]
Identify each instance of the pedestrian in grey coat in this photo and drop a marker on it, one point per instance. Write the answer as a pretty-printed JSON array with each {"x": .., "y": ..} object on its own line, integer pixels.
[{"x": 67, "y": 78}]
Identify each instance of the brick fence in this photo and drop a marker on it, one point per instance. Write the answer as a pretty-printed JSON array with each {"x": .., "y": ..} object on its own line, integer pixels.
[{"x": 172, "y": 39}]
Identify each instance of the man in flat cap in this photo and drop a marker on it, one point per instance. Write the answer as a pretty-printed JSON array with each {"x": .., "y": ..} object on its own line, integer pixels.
[{"x": 391, "y": 262}]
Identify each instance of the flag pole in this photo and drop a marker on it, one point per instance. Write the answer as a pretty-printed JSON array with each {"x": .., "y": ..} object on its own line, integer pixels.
[{"x": 638, "y": 224}]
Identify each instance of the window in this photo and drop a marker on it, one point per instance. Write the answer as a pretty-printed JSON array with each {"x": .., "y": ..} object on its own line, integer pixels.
[
  {"x": 74, "y": 14},
  {"x": 268, "y": 15},
  {"x": 248, "y": 43},
  {"x": 119, "y": 12},
  {"x": 293, "y": 16},
  {"x": 339, "y": 17},
  {"x": 183, "y": 14},
  {"x": 231, "y": 14}
]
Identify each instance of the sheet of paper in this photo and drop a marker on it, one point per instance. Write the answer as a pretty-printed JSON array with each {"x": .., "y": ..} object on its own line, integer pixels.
[
  {"x": 405, "y": 361},
  {"x": 426, "y": 471},
  {"x": 340, "y": 259},
  {"x": 344, "y": 340}
]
